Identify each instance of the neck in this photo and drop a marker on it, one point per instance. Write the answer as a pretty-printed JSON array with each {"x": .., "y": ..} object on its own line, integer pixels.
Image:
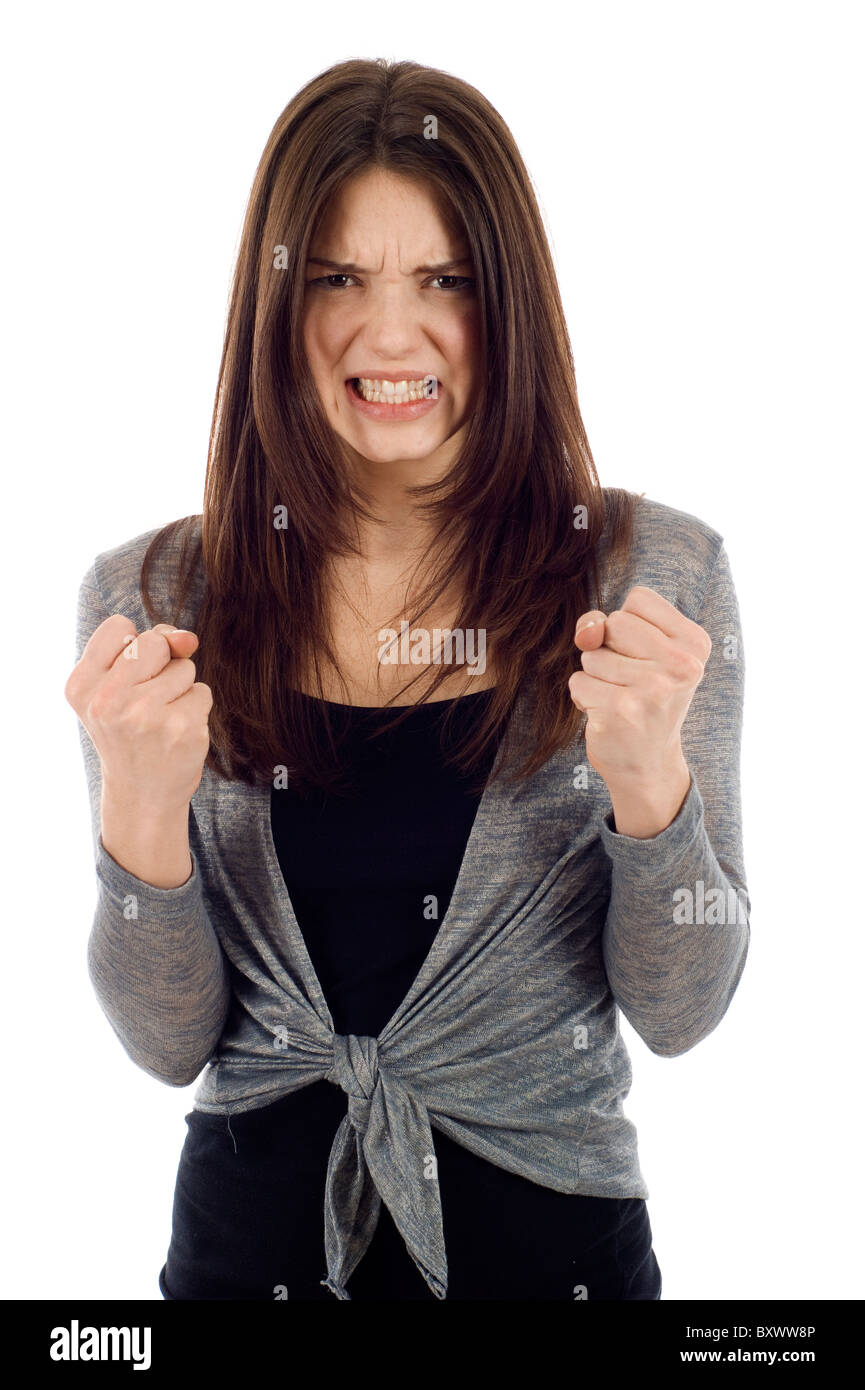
[{"x": 400, "y": 533}]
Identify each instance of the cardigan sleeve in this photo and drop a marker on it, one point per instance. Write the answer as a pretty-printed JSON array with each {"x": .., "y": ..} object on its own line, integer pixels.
[
  {"x": 677, "y": 930},
  {"x": 156, "y": 965}
]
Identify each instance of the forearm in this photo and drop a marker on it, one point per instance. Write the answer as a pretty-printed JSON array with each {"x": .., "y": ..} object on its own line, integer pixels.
[
  {"x": 644, "y": 808},
  {"x": 150, "y": 844}
]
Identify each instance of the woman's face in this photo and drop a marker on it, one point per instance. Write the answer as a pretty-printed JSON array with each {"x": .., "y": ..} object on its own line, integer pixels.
[{"x": 406, "y": 311}]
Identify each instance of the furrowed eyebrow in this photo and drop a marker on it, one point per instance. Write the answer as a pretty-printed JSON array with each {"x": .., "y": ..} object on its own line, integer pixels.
[{"x": 349, "y": 268}]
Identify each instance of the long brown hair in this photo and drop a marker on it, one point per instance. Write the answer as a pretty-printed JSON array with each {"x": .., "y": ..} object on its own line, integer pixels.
[{"x": 513, "y": 539}]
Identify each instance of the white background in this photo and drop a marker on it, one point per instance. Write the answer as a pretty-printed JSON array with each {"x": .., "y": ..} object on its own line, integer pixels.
[{"x": 699, "y": 168}]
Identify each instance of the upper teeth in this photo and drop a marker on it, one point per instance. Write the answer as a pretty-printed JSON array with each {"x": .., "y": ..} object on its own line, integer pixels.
[{"x": 396, "y": 391}]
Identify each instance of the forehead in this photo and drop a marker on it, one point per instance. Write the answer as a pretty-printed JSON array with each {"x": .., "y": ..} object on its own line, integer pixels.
[{"x": 379, "y": 214}]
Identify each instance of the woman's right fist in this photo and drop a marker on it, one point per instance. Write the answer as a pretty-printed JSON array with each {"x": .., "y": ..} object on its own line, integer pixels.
[{"x": 137, "y": 697}]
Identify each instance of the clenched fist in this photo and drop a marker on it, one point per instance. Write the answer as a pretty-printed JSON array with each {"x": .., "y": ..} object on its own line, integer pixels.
[
  {"x": 641, "y": 665},
  {"x": 137, "y": 697}
]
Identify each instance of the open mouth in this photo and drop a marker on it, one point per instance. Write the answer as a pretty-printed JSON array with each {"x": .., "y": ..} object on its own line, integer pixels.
[{"x": 407, "y": 392}]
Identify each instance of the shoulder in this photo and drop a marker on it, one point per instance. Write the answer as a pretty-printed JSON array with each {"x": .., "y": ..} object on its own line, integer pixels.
[
  {"x": 116, "y": 572},
  {"x": 672, "y": 552}
]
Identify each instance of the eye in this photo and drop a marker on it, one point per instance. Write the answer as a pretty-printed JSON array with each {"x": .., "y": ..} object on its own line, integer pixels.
[
  {"x": 457, "y": 282},
  {"x": 324, "y": 281},
  {"x": 461, "y": 281}
]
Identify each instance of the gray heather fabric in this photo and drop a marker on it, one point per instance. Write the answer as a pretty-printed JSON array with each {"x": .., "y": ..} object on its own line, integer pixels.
[{"x": 555, "y": 923}]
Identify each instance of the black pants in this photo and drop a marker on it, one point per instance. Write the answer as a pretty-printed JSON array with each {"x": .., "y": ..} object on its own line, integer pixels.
[{"x": 248, "y": 1221}]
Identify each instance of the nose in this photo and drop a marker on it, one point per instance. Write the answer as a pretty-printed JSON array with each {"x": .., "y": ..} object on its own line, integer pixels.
[{"x": 392, "y": 326}]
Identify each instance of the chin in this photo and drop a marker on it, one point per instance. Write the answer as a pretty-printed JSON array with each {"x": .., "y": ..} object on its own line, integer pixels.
[{"x": 396, "y": 455}]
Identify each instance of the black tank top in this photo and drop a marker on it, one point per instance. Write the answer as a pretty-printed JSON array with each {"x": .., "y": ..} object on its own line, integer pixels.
[{"x": 370, "y": 874}]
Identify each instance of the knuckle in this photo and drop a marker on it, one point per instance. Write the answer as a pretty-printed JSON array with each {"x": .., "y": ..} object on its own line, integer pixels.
[
  {"x": 101, "y": 705},
  {"x": 626, "y": 706},
  {"x": 132, "y": 717},
  {"x": 683, "y": 667},
  {"x": 702, "y": 641},
  {"x": 697, "y": 670},
  {"x": 175, "y": 726}
]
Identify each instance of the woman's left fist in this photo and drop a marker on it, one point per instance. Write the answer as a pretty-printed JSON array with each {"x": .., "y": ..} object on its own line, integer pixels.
[{"x": 640, "y": 667}]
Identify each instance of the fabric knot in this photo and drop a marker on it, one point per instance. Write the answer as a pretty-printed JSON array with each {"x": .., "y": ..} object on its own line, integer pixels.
[
  {"x": 379, "y": 1155},
  {"x": 355, "y": 1069}
]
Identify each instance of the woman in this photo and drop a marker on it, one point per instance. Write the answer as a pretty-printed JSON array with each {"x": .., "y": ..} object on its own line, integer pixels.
[{"x": 391, "y": 866}]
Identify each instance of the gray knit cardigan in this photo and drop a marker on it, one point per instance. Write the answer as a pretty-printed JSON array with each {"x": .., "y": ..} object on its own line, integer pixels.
[{"x": 508, "y": 1040}]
